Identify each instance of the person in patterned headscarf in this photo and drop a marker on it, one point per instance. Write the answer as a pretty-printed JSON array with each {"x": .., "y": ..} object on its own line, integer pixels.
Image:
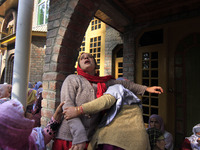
[
  {"x": 156, "y": 121},
  {"x": 192, "y": 142},
  {"x": 156, "y": 138}
]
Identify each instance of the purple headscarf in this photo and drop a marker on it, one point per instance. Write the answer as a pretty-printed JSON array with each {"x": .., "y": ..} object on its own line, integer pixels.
[
  {"x": 15, "y": 129},
  {"x": 160, "y": 121}
]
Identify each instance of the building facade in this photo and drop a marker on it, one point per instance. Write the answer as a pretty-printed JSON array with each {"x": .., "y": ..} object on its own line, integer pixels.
[{"x": 150, "y": 43}]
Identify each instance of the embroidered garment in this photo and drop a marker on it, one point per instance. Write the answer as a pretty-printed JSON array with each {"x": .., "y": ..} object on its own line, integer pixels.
[{"x": 2, "y": 100}]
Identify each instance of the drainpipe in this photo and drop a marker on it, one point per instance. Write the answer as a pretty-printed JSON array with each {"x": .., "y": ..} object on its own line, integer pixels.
[{"x": 22, "y": 50}]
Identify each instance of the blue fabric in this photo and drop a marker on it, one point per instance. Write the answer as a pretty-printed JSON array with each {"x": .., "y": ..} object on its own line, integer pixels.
[
  {"x": 30, "y": 85},
  {"x": 39, "y": 138},
  {"x": 123, "y": 97},
  {"x": 38, "y": 85}
]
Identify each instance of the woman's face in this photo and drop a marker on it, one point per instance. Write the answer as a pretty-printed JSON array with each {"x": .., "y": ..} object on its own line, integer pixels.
[
  {"x": 160, "y": 144},
  {"x": 87, "y": 63},
  {"x": 154, "y": 123}
]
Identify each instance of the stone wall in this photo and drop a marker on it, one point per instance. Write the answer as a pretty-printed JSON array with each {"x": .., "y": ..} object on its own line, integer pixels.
[{"x": 113, "y": 38}]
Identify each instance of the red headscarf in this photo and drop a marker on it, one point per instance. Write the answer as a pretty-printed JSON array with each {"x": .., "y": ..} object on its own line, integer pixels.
[{"x": 101, "y": 86}]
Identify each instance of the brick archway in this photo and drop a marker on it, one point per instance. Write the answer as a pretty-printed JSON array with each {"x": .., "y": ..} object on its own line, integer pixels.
[{"x": 68, "y": 21}]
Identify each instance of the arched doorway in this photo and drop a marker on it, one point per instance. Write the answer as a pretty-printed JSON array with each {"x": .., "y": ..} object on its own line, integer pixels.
[{"x": 186, "y": 78}]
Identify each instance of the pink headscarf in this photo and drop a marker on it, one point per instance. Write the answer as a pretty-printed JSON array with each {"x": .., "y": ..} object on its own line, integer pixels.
[
  {"x": 15, "y": 129},
  {"x": 160, "y": 120}
]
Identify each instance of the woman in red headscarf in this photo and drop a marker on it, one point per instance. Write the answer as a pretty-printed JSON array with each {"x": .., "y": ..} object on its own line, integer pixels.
[{"x": 82, "y": 88}]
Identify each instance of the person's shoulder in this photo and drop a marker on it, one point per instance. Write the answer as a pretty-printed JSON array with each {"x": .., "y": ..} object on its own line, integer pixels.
[
  {"x": 167, "y": 134},
  {"x": 72, "y": 76}
]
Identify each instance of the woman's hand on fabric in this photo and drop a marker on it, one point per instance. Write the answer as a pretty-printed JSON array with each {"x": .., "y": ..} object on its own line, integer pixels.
[
  {"x": 71, "y": 112},
  {"x": 80, "y": 146},
  {"x": 154, "y": 89},
  {"x": 58, "y": 113}
]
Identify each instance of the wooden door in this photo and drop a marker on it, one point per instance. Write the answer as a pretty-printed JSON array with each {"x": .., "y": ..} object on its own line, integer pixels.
[{"x": 151, "y": 71}]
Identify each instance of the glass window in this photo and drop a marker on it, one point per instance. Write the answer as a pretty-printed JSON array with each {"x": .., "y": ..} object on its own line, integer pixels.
[
  {"x": 95, "y": 24},
  {"x": 43, "y": 12},
  {"x": 150, "y": 78}
]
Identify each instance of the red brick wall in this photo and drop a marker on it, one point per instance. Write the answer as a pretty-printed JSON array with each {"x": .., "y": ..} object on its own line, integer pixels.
[{"x": 37, "y": 59}]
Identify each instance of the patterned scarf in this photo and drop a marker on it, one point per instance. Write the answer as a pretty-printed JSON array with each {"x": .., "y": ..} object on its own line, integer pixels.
[{"x": 101, "y": 86}]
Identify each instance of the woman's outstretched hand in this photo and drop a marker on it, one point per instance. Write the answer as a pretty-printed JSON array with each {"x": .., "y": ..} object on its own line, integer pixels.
[
  {"x": 71, "y": 112},
  {"x": 154, "y": 89}
]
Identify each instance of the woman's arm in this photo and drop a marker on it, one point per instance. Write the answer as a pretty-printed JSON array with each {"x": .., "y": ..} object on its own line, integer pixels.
[
  {"x": 137, "y": 89},
  {"x": 51, "y": 128},
  {"x": 71, "y": 87},
  {"x": 97, "y": 105}
]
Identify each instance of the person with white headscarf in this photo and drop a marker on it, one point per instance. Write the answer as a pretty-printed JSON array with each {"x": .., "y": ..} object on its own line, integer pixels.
[{"x": 192, "y": 142}]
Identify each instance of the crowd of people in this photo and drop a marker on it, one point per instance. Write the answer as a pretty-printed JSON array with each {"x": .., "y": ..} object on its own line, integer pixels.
[{"x": 95, "y": 113}]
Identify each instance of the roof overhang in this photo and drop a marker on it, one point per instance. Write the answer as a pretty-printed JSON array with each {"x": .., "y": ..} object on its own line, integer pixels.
[{"x": 10, "y": 39}]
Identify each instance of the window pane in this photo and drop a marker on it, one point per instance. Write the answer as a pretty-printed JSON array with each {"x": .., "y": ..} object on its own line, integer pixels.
[
  {"x": 154, "y": 73},
  {"x": 145, "y": 100},
  {"x": 120, "y": 70},
  {"x": 41, "y": 10},
  {"x": 145, "y": 82},
  {"x": 154, "y": 110},
  {"x": 145, "y": 64},
  {"x": 154, "y": 101},
  {"x": 145, "y": 73},
  {"x": 154, "y": 64},
  {"x": 145, "y": 56},
  {"x": 154, "y": 55},
  {"x": 145, "y": 110},
  {"x": 120, "y": 64},
  {"x": 154, "y": 82},
  {"x": 146, "y": 119},
  {"x": 40, "y": 1}
]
